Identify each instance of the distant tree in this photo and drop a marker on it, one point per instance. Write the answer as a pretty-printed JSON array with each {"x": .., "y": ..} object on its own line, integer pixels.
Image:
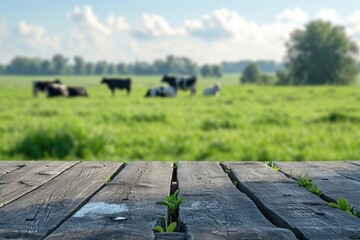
[
  {"x": 143, "y": 68},
  {"x": 112, "y": 69},
  {"x": 267, "y": 79},
  {"x": 160, "y": 67},
  {"x": 90, "y": 68},
  {"x": 321, "y": 54},
  {"x": 171, "y": 66},
  {"x": 283, "y": 78},
  {"x": 34, "y": 66},
  {"x": 209, "y": 70},
  {"x": 217, "y": 71},
  {"x": 101, "y": 68},
  {"x": 69, "y": 70},
  {"x": 130, "y": 68},
  {"x": 59, "y": 62},
  {"x": 251, "y": 74},
  {"x": 206, "y": 70},
  {"x": 176, "y": 65},
  {"x": 24, "y": 66},
  {"x": 121, "y": 68},
  {"x": 267, "y": 66},
  {"x": 2, "y": 68},
  {"x": 80, "y": 65},
  {"x": 46, "y": 67}
]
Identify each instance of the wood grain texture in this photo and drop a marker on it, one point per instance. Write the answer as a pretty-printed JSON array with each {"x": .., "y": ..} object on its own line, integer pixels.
[
  {"x": 332, "y": 184},
  {"x": 288, "y": 205},
  {"x": 214, "y": 209},
  {"x": 346, "y": 169},
  {"x": 127, "y": 205},
  {"x": 355, "y": 162},
  {"x": 7, "y": 167},
  {"x": 41, "y": 211},
  {"x": 28, "y": 178}
]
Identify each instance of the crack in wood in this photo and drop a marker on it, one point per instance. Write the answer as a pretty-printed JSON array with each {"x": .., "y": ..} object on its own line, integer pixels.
[
  {"x": 268, "y": 213},
  {"x": 115, "y": 173}
]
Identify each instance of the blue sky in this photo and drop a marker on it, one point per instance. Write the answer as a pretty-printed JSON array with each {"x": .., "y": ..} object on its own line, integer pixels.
[{"x": 205, "y": 30}]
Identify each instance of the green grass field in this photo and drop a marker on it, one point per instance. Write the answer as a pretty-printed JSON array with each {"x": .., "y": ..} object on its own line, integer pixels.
[{"x": 244, "y": 123}]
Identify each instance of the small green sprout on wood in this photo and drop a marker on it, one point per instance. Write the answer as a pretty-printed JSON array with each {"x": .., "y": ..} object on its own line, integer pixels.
[
  {"x": 235, "y": 183},
  {"x": 173, "y": 203},
  {"x": 306, "y": 182},
  {"x": 344, "y": 205},
  {"x": 169, "y": 229},
  {"x": 107, "y": 179},
  {"x": 273, "y": 166}
]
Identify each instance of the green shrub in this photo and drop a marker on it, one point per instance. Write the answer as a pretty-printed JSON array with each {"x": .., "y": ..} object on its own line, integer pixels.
[
  {"x": 149, "y": 118},
  {"x": 209, "y": 125},
  {"x": 61, "y": 142},
  {"x": 337, "y": 117}
]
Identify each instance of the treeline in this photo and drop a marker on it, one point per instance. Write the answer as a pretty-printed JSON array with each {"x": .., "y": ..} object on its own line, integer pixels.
[
  {"x": 60, "y": 65},
  {"x": 267, "y": 66}
]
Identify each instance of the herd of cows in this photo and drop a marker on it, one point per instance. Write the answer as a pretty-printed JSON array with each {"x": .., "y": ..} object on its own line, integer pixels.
[{"x": 174, "y": 83}]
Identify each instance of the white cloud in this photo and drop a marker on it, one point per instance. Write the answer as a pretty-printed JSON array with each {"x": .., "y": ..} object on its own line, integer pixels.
[
  {"x": 2, "y": 34},
  {"x": 353, "y": 23},
  {"x": 87, "y": 19},
  {"x": 34, "y": 37},
  {"x": 118, "y": 23},
  {"x": 89, "y": 33},
  {"x": 223, "y": 34},
  {"x": 155, "y": 26},
  {"x": 221, "y": 24},
  {"x": 295, "y": 15},
  {"x": 330, "y": 15},
  {"x": 225, "y": 24}
]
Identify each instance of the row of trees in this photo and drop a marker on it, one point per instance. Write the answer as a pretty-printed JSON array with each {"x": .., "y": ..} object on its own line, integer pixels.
[
  {"x": 267, "y": 66},
  {"x": 59, "y": 65}
]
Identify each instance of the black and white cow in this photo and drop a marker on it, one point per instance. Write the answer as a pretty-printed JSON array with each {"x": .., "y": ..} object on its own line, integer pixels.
[
  {"x": 77, "y": 92},
  {"x": 56, "y": 90},
  {"x": 40, "y": 86},
  {"x": 183, "y": 83},
  {"x": 114, "y": 83},
  {"x": 161, "y": 92}
]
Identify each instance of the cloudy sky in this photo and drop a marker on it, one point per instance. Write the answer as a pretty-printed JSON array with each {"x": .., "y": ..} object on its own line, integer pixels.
[{"x": 204, "y": 30}]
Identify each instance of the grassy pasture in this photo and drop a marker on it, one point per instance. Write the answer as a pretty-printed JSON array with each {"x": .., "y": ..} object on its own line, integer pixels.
[{"x": 244, "y": 123}]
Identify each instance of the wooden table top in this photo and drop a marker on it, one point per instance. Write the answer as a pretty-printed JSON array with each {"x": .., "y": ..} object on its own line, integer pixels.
[{"x": 229, "y": 200}]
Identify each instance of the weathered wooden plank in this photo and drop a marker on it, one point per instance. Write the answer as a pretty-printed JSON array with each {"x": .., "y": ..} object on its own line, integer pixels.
[
  {"x": 7, "y": 167},
  {"x": 332, "y": 184},
  {"x": 291, "y": 206},
  {"x": 214, "y": 209},
  {"x": 124, "y": 208},
  {"x": 346, "y": 169},
  {"x": 355, "y": 162},
  {"x": 26, "y": 179},
  {"x": 38, "y": 213}
]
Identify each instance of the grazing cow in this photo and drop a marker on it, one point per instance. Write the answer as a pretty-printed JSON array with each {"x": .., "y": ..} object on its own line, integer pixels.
[
  {"x": 77, "y": 92},
  {"x": 56, "y": 90},
  {"x": 42, "y": 85},
  {"x": 183, "y": 83},
  {"x": 161, "y": 92},
  {"x": 212, "y": 91},
  {"x": 114, "y": 83}
]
